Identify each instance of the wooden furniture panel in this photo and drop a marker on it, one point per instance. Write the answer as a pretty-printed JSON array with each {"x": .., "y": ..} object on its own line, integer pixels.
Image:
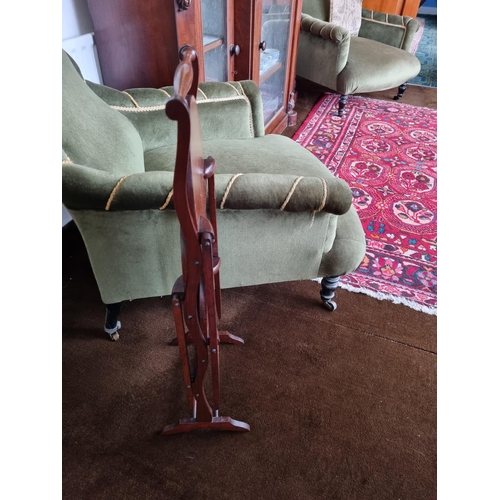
[
  {"x": 401, "y": 7},
  {"x": 133, "y": 42}
]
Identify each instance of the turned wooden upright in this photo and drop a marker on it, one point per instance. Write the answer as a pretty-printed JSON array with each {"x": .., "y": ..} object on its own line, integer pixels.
[{"x": 196, "y": 296}]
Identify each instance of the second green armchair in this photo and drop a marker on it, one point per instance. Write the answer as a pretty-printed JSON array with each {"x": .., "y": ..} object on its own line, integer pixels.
[{"x": 377, "y": 59}]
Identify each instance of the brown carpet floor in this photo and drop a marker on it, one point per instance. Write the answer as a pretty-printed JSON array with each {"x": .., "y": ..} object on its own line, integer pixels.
[{"x": 341, "y": 405}]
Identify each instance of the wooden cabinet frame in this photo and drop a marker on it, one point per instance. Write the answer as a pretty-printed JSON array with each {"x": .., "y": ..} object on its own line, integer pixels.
[{"x": 248, "y": 29}]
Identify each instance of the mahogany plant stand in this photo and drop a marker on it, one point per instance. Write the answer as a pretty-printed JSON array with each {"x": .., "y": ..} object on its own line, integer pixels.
[{"x": 196, "y": 295}]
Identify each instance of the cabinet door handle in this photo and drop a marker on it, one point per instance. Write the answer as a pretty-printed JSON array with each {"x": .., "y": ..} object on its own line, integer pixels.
[
  {"x": 234, "y": 50},
  {"x": 262, "y": 45}
]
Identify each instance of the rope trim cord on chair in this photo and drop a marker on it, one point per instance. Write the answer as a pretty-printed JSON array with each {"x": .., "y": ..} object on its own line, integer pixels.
[
  {"x": 138, "y": 110},
  {"x": 234, "y": 88},
  {"x": 165, "y": 92},
  {"x": 288, "y": 196},
  {"x": 228, "y": 188},
  {"x": 243, "y": 94},
  {"x": 292, "y": 189},
  {"x": 202, "y": 93},
  {"x": 134, "y": 102},
  {"x": 167, "y": 201},
  {"x": 113, "y": 192},
  {"x": 323, "y": 202},
  {"x": 67, "y": 161},
  {"x": 162, "y": 107}
]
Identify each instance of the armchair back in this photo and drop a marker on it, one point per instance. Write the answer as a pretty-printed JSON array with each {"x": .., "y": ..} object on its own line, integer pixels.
[
  {"x": 93, "y": 134},
  {"x": 320, "y": 9}
]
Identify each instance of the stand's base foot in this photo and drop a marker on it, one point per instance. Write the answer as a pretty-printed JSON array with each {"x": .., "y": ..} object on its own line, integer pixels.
[
  {"x": 224, "y": 338},
  {"x": 229, "y": 338},
  {"x": 217, "y": 423}
]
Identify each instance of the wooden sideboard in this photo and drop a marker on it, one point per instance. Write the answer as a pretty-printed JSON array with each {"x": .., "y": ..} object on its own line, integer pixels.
[{"x": 401, "y": 7}]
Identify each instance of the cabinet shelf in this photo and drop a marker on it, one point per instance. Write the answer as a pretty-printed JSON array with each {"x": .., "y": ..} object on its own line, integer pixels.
[
  {"x": 270, "y": 71},
  {"x": 211, "y": 42}
]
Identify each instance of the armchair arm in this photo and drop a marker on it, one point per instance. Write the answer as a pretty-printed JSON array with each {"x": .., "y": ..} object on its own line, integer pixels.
[
  {"x": 85, "y": 188},
  {"x": 226, "y": 110},
  {"x": 391, "y": 29},
  {"x": 283, "y": 192},
  {"x": 323, "y": 50}
]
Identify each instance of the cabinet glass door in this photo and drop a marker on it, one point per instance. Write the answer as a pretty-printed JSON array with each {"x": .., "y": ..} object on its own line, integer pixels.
[
  {"x": 215, "y": 39},
  {"x": 275, "y": 40}
]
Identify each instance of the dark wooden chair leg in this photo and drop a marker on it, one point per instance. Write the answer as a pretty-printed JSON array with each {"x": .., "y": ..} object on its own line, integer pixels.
[
  {"x": 401, "y": 91},
  {"x": 328, "y": 286},
  {"x": 342, "y": 103},
  {"x": 111, "y": 323}
]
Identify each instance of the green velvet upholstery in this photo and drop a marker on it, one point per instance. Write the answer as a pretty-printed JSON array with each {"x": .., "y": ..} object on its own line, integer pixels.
[
  {"x": 319, "y": 9},
  {"x": 377, "y": 59},
  {"x": 390, "y": 29},
  {"x": 371, "y": 67},
  {"x": 282, "y": 216}
]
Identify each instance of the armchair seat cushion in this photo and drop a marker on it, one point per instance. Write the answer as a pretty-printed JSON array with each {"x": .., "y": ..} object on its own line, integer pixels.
[
  {"x": 374, "y": 66},
  {"x": 270, "y": 169}
]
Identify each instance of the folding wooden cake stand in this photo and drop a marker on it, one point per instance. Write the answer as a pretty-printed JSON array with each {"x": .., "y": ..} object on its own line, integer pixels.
[{"x": 196, "y": 295}]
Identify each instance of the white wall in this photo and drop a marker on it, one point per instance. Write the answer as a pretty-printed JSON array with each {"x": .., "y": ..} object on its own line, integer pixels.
[
  {"x": 76, "y": 18},
  {"x": 76, "y": 21}
]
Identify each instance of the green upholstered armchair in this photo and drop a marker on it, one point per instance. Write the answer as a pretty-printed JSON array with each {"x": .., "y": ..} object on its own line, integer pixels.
[
  {"x": 378, "y": 58},
  {"x": 282, "y": 216}
]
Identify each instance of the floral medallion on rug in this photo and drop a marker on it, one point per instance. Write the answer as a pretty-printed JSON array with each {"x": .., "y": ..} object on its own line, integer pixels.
[{"x": 386, "y": 152}]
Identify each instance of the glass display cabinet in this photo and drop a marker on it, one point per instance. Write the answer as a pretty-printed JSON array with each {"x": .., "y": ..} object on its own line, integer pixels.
[
  {"x": 216, "y": 34},
  {"x": 138, "y": 42}
]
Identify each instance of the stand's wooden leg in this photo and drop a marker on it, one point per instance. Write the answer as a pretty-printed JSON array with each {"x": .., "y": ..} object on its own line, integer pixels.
[
  {"x": 218, "y": 299},
  {"x": 204, "y": 334},
  {"x": 211, "y": 309},
  {"x": 181, "y": 342}
]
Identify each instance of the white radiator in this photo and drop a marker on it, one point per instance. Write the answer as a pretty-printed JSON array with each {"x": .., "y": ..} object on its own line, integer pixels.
[{"x": 82, "y": 49}]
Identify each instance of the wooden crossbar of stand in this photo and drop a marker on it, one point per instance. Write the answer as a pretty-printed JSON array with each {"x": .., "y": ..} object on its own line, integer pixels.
[{"x": 196, "y": 295}]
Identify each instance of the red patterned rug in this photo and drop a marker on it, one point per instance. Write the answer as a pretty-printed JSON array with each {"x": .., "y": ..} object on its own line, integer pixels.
[{"x": 386, "y": 151}]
